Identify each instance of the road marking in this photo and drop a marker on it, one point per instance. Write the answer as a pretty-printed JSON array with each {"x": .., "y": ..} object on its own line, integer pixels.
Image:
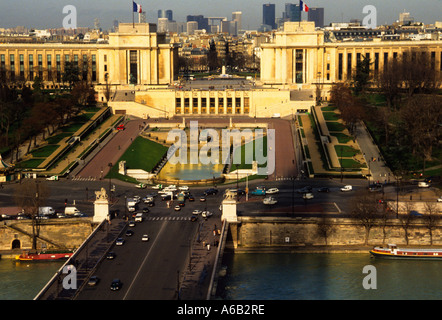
[{"x": 145, "y": 259}]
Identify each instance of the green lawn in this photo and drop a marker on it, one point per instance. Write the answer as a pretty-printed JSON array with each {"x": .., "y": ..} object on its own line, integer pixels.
[
  {"x": 335, "y": 126},
  {"x": 346, "y": 151},
  {"x": 330, "y": 116},
  {"x": 142, "y": 154},
  {"x": 350, "y": 164},
  {"x": 342, "y": 137},
  {"x": 243, "y": 160},
  {"x": 45, "y": 151}
]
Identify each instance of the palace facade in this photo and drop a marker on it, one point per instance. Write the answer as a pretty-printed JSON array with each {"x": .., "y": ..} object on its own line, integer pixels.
[{"x": 138, "y": 70}]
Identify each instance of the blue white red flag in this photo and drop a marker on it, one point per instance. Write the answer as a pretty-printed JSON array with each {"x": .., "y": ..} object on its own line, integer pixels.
[
  {"x": 137, "y": 7},
  {"x": 303, "y": 6}
]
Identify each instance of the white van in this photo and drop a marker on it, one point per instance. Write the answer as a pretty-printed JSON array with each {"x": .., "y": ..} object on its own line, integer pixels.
[
  {"x": 46, "y": 211},
  {"x": 71, "y": 211}
]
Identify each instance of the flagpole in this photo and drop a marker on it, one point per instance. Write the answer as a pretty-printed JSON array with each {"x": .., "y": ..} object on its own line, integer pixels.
[{"x": 133, "y": 18}]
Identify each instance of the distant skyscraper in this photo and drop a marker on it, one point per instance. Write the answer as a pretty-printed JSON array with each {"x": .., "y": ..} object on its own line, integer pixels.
[
  {"x": 316, "y": 15},
  {"x": 268, "y": 15},
  {"x": 236, "y": 16},
  {"x": 292, "y": 12},
  {"x": 203, "y": 23},
  {"x": 165, "y": 14}
]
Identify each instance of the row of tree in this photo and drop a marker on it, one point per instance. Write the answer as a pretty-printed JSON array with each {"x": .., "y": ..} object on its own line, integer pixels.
[
  {"x": 29, "y": 111},
  {"x": 369, "y": 213},
  {"x": 408, "y": 126}
]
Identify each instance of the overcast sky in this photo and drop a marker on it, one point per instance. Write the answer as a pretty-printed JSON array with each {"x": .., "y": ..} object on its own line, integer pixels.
[{"x": 48, "y": 13}]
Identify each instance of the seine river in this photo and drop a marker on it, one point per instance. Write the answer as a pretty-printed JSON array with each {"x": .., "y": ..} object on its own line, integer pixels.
[
  {"x": 328, "y": 277},
  {"x": 278, "y": 277},
  {"x": 22, "y": 280}
]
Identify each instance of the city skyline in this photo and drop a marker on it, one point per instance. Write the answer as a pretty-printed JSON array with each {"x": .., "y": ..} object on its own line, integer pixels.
[{"x": 48, "y": 13}]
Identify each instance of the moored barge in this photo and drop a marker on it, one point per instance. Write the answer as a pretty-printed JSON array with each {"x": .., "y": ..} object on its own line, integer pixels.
[
  {"x": 393, "y": 252},
  {"x": 45, "y": 255}
]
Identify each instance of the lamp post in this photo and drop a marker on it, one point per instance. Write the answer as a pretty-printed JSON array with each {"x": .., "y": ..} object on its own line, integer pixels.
[{"x": 110, "y": 180}]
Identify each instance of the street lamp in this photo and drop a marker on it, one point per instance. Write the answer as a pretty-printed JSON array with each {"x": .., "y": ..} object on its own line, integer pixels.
[{"x": 110, "y": 180}]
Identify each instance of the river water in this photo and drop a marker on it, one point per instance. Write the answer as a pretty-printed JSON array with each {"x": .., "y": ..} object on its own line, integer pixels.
[
  {"x": 281, "y": 276},
  {"x": 328, "y": 277},
  {"x": 24, "y": 280}
]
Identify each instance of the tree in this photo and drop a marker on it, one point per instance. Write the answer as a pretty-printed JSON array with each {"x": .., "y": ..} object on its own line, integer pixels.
[
  {"x": 362, "y": 75},
  {"x": 82, "y": 93},
  {"x": 432, "y": 218},
  {"x": 421, "y": 117},
  {"x": 389, "y": 84},
  {"x": 406, "y": 219},
  {"x": 71, "y": 73},
  {"x": 365, "y": 210},
  {"x": 325, "y": 228},
  {"x": 30, "y": 195}
]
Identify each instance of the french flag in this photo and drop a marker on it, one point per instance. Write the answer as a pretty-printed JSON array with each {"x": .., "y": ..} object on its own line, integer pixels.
[
  {"x": 137, "y": 7},
  {"x": 303, "y": 6}
]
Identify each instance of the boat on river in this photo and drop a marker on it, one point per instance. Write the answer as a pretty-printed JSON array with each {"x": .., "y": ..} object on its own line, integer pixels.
[
  {"x": 49, "y": 255},
  {"x": 393, "y": 252}
]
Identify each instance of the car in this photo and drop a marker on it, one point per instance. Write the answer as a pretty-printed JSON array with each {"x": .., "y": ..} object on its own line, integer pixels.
[
  {"x": 272, "y": 191},
  {"x": 145, "y": 237},
  {"x": 139, "y": 217},
  {"x": 211, "y": 191},
  {"x": 206, "y": 214},
  {"x": 129, "y": 233},
  {"x": 149, "y": 203},
  {"x": 115, "y": 285},
  {"x": 93, "y": 281},
  {"x": 184, "y": 188},
  {"x": 146, "y": 210},
  {"x": 132, "y": 223},
  {"x": 193, "y": 218},
  {"x": 158, "y": 187},
  {"x": 52, "y": 178},
  {"x": 423, "y": 184},
  {"x": 111, "y": 255},
  {"x": 439, "y": 199},
  {"x": 177, "y": 208},
  {"x": 346, "y": 188},
  {"x": 119, "y": 242},
  {"x": 121, "y": 127},
  {"x": 269, "y": 200},
  {"x": 141, "y": 186},
  {"x": 191, "y": 198},
  {"x": 323, "y": 189},
  {"x": 181, "y": 203},
  {"x": 196, "y": 212},
  {"x": 305, "y": 189},
  {"x": 308, "y": 195},
  {"x": 202, "y": 198}
]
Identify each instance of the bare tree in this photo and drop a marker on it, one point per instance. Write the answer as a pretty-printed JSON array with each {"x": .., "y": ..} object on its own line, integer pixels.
[
  {"x": 406, "y": 220},
  {"x": 325, "y": 228},
  {"x": 432, "y": 218},
  {"x": 30, "y": 195},
  {"x": 365, "y": 210}
]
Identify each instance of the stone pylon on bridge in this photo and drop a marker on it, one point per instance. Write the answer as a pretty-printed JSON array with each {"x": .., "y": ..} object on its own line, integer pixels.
[{"x": 101, "y": 206}]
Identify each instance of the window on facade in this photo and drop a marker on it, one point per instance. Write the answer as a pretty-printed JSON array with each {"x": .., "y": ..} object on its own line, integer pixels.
[
  {"x": 12, "y": 66},
  {"x": 299, "y": 66},
  {"x": 340, "y": 66},
  {"x": 94, "y": 68},
  {"x": 133, "y": 67},
  {"x": 31, "y": 67},
  {"x": 349, "y": 65}
]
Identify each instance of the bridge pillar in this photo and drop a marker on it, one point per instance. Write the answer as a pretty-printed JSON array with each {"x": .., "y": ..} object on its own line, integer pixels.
[
  {"x": 101, "y": 206},
  {"x": 229, "y": 210}
]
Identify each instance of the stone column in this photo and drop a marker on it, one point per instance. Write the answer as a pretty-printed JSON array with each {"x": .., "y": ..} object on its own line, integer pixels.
[
  {"x": 229, "y": 210},
  {"x": 101, "y": 206}
]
